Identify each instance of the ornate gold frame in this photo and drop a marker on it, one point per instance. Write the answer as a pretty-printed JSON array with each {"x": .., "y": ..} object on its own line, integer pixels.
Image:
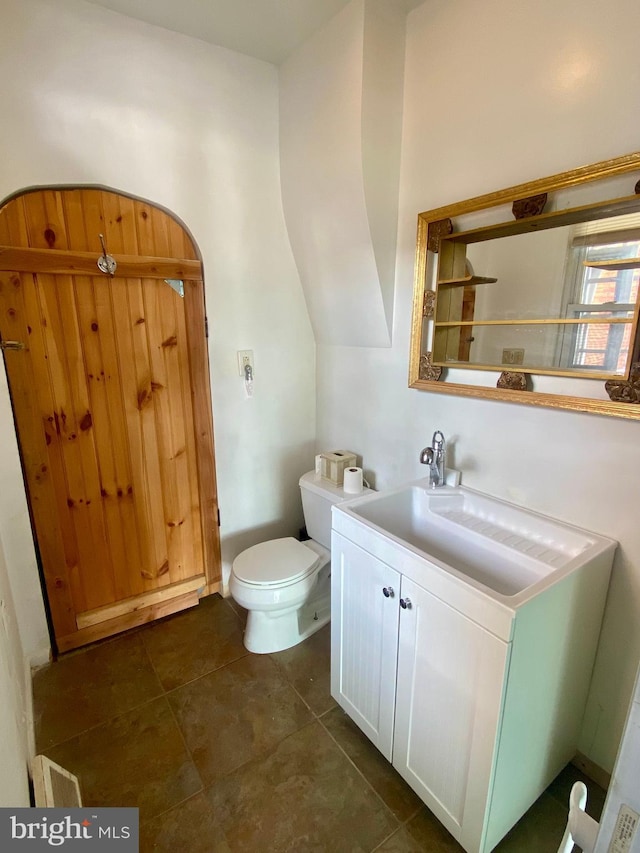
[{"x": 597, "y": 171}]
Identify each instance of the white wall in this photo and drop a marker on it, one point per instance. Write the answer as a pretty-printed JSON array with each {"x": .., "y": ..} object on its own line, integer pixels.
[
  {"x": 340, "y": 127},
  {"x": 15, "y": 705},
  {"x": 89, "y": 96},
  {"x": 499, "y": 93},
  {"x": 15, "y": 531}
]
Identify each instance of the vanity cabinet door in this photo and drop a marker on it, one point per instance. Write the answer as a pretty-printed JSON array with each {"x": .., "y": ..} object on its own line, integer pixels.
[
  {"x": 450, "y": 681},
  {"x": 364, "y": 639}
]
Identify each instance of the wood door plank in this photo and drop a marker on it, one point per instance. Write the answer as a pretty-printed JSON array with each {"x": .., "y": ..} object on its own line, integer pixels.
[
  {"x": 51, "y": 517},
  {"x": 203, "y": 426},
  {"x": 188, "y": 526},
  {"x": 186, "y": 539},
  {"x": 45, "y": 401},
  {"x": 180, "y": 532},
  {"x": 118, "y": 438},
  {"x": 144, "y": 228},
  {"x": 190, "y": 436},
  {"x": 5, "y": 215},
  {"x": 85, "y": 221},
  {"x": 147, "y": 387},
  {"x": 140, "y": 424},
  {"x": 44, "y": 215},
  {"x": 182, "y": 245},
  {"x": 162, "y": 340},
  {"x": 139, "y": 602},
  {"x": 160, "y": 232},
  {"x": 90, "y": 221},
  {"x": 167, "y": 453},
  {"x": 72, "y": 261},
  {"x": 120, "y": 225},
  {"x": 68, "y": 377},
  {"x": 79, "y": 441},
  {"x": 105, "y": 420},
  {"x": 13, "y": 226},
  {"x": 127, "y": 621},
  {"x": 129, "y": 313}
]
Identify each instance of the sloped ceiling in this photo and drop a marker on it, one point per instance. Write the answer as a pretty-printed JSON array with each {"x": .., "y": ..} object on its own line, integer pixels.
[
  {"x": 265, "y": 29},
  {"x": 340, "y": 136}
]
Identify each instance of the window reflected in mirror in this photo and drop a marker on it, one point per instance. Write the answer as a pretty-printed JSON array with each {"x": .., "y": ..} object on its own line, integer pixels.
[{"x": 603, "y": 270}]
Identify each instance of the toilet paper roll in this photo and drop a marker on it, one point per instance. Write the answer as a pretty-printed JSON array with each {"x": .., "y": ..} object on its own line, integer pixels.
[{"x": 352, "y": 484}]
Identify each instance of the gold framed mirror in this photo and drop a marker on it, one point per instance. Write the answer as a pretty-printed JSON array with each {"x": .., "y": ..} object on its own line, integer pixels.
[{"x": 531, "y": 294}]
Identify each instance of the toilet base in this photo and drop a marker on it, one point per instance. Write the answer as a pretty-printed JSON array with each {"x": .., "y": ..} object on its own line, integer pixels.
[{"x": 275, "y": 630}]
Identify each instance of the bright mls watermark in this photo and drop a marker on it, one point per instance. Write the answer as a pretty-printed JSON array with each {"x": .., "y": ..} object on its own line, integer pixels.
[{"x": 105, "y": 830}]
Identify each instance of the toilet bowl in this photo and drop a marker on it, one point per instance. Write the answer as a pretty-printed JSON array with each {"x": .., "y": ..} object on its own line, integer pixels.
[{"x": 284, "y": 584}]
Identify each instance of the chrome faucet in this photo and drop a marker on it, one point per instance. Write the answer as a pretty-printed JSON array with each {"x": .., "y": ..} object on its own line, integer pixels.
[{"x": 435, "y": 457}]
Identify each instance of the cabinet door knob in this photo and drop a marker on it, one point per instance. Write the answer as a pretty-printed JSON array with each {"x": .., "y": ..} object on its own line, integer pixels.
[
  {"x": 405, "y": 603},
  {"x": 387, "y": 591}
]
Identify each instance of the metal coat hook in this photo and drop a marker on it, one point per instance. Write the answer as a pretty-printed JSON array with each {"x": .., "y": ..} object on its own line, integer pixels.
[{"x": 106, "y": 263}]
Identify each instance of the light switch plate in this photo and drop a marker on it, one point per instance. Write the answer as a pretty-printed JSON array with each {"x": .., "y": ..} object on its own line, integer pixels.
[{"x": 513, "y": 356}]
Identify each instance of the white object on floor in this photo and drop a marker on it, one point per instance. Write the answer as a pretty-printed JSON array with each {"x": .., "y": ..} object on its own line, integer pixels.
[
  {"x": 53, "y": 786},
  {"x": 620, "y": 818},
  {"x": 581, "y": 829},
  {"x": 285, "y": 584}
]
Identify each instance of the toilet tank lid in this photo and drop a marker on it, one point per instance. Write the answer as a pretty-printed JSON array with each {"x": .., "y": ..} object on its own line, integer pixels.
[
  {"x": 275, "y": 562},
  {"x": 315, "y": 483}
]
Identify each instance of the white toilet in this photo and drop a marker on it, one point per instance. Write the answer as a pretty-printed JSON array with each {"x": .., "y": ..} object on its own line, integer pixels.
[{"x": 285, "y": 584}]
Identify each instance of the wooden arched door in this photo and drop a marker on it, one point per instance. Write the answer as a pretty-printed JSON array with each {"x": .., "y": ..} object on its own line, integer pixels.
[{"x": 109, "y": 381}]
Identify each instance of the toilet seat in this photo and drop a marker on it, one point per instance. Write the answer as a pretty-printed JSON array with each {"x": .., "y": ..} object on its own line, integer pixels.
[{"x": 277, "y": 562}]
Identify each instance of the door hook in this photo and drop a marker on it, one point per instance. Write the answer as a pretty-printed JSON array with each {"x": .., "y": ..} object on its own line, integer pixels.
[{"x": 106, "y": 263}]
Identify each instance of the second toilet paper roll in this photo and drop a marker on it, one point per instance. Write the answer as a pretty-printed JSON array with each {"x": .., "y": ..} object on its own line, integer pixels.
[{"x": 352, "y": 484}]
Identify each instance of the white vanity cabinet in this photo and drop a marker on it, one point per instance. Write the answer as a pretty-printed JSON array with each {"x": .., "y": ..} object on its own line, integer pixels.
[
  {"x": 477, "y": 699},
  {"x": 450, "y": 681},
  {"x": 421, "y": 680},
  {"x": 364, "y": 642}
]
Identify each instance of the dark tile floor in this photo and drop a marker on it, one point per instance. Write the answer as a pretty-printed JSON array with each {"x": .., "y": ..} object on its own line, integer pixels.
[{"x": 226, "y": 751}]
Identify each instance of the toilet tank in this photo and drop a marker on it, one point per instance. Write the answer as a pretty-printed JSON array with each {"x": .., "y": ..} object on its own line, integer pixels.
[{"x": 318, "y": 496}]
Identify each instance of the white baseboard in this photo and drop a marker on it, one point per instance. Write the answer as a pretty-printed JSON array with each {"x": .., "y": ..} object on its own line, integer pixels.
[{"x": 592, "y": 770}]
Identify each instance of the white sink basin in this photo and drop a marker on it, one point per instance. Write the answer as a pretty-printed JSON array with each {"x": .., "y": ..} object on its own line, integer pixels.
[{"x": 502, "y": 547}]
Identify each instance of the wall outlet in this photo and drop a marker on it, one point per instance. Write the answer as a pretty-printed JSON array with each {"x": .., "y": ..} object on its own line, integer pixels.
[
  {"x": 245, "y": 358},
  {"x": 513, "y": 356}
]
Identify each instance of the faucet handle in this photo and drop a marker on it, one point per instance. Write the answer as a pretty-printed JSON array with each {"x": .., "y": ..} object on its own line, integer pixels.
[{"x": 438, "y": 440}]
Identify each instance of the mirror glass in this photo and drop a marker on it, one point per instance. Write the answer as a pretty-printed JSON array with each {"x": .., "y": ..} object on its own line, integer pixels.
[
  {"x": 559, "y": 300},
  {"x": 539, "y": 281}
]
